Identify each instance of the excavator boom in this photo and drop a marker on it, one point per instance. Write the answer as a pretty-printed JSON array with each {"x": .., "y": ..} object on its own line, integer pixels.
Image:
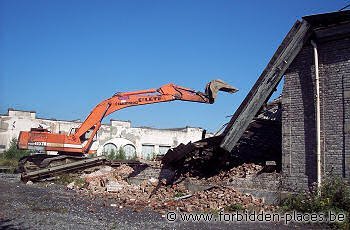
[{"x": 81, "y": 140}]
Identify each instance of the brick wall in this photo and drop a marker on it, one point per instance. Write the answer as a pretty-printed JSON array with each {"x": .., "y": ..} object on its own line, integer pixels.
[{"x": 298, "y": 118}]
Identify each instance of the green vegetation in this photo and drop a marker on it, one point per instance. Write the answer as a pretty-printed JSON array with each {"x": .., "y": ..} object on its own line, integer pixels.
[
  {"x": 119, "y": 155},
  {"x": 179, "y": 194},
  {"x": 66, "y": 179},
  {"x": 11, "y": 156},
  {"x": 334, "y": 195},
  {"x": 113, "y": 155},
  {"x": 234, "y": 207},
  {"x": 151, "y": 156},
  {"x": 133, "y": 157}
]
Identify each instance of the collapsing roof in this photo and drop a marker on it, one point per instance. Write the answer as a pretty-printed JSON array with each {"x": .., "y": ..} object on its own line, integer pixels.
[
  {"x": 321, "y": 27},
  {"x": 257, "y": 145},
  {"x": 254, "y": 116}
]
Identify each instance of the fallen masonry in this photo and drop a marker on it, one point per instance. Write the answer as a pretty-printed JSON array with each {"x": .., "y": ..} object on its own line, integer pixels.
[{"x": 156, "y": 194}]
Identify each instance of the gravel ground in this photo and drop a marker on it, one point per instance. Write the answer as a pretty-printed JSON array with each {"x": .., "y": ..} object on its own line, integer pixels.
[{"x": 51, "y": 206}]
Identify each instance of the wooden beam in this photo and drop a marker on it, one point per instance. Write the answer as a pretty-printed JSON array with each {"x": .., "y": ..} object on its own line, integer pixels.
[{"x": 266, "y": 84}]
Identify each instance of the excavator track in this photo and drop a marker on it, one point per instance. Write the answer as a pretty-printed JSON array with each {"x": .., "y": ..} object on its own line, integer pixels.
[
  {"x": 41, "y": 166},
  {"x": 32, "y": 162},
  {"x": 61, "y": 169}
]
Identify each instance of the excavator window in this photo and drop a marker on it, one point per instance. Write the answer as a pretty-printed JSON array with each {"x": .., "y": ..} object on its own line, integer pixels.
[
  {"x": 87, "y": 135},
  {"x": 72, "y": 131}
]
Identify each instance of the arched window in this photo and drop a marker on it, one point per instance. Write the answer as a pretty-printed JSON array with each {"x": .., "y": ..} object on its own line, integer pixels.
[
  {"x": 130, "y": 151},
  {"x": 110, "y": 148}
]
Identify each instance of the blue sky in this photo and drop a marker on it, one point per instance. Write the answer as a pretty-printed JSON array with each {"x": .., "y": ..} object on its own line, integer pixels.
[{"x": 61, "y": 58}]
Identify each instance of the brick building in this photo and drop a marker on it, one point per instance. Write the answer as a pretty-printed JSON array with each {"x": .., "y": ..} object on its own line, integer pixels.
[
  {"x": 315, "y": 141},
  {"x": 331, "y": 36}
]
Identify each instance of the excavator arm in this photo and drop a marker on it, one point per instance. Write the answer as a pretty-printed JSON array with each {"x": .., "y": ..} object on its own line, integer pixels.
[{"x": 79, "y": 142}]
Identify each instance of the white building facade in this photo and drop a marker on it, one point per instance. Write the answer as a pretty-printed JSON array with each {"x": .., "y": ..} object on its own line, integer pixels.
[{"x": 140, "y": 142}]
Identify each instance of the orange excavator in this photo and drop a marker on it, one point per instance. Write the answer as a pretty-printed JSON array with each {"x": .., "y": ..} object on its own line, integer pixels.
[{"x": 79, "y": 141}]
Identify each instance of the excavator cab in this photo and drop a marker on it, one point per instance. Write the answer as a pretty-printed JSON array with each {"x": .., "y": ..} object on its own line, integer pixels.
[
  {"x": 86, "y": 136},
  {"x": 72, "y": 131}
]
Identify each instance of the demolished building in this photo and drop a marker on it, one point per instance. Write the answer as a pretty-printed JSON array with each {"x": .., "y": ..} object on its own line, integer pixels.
[
  {"x": 304, "y": 135},
  {"x": 314, "y": 59}
]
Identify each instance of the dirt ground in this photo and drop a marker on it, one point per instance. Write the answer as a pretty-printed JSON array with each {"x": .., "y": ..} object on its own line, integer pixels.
[{"x": 52, "y": 206}]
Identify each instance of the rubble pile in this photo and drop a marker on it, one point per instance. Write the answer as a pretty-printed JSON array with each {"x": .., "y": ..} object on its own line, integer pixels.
[
  {"x": 242, "y": 171},
  {"x": 246, "y": 170},
  {"x": 107, "y": 179},
  {"x": 156, "y": 195},
  {"x": 218, "y": 198}
]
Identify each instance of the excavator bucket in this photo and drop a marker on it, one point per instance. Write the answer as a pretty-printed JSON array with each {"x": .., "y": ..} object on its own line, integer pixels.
[{"x": 214, "y": 86}]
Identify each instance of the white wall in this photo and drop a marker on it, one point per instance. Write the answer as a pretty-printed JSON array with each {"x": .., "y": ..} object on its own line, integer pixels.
[{"x": 118, "y": 132}]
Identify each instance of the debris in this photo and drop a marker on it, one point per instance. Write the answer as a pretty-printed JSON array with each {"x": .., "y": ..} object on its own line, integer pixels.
[
  {"x": 153, "y": 192},
  {"x": 157, "y": 196},
  {"x": 114, "y": 186},
  {"x": 270, "y": 166},
  {"x": 183, "y": 197},
  {"x": 103, "y": 172},
  {"x": 242, "y": 171},
  {"x": 124, "y": 171},
  {"x": 71, "y": 185},
  {"x": 29, "y": 182},
  {"x": 153, "y": 181}
]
